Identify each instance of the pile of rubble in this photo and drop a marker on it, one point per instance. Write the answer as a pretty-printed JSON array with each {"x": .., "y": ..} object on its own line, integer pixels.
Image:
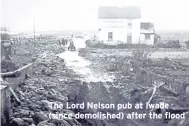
[
  {"x": 30, "y": 51},
  {"x": 35, "y": 96},
  {"x": 47, "y": 63},
  {"x": 54, "y": 47},
  {"x": 50, "y": 82},
  {"x": 39, "y": 90},
  {"x": 169, "y": 44},
  {"x": 142, "y": 79},
  {"x": 8, "y": 66},
  {"x": 138, "y": 79}
]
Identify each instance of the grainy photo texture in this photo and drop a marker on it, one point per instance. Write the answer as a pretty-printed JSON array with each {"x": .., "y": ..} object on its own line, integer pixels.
[{"x": 94, "y": 63}]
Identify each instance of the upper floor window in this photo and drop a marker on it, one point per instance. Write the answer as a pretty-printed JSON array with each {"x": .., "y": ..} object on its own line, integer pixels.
[{"x": 129, "y": 23}]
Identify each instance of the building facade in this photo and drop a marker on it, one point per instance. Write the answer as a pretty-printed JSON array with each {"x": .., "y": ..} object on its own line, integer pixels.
[
  {"x": 118, "y": 25},
  {"x": 147, "y": 34}
]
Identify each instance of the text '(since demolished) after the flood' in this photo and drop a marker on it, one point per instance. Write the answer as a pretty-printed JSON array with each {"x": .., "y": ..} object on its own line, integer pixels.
[{"x": 119, "y": 113}]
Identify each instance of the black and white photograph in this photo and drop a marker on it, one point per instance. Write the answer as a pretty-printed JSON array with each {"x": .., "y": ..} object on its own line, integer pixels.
[{"x": 94, "y": 62}]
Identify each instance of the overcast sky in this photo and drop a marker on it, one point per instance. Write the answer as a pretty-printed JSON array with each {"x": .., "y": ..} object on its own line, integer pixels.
[{"x": 56, "y": 15}]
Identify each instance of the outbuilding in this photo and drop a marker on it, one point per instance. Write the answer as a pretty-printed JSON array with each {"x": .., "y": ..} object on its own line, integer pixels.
[{"x": 147, "y": 34}]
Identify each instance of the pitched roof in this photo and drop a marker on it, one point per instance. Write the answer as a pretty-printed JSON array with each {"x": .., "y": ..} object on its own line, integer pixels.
[
  {"x": 146, "y": 25},
  {"x": 147, "y": 28},
  {"x": 126, "y": 12}
]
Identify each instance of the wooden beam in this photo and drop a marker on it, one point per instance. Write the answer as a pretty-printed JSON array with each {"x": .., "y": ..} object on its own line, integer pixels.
[
  {"x": 153, "y": 93},
  {"x": 10, "y": 74},
  {"x": 14, "y": 94},
  {"x": 169, "y": 91}
]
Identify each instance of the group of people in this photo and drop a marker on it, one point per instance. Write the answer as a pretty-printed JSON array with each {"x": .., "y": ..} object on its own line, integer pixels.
[
  {"x": 63, "y": 41},
  {"x": 69, "y": 42}
]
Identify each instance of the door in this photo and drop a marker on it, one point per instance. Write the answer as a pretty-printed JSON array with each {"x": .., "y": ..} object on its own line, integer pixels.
[
  {"x": 129, "y": 39},
  {"x": 110, "y": 36}
]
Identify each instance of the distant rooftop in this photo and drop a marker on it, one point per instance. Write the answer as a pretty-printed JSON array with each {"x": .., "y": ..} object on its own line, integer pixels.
[{"x": 112, "y": 12}]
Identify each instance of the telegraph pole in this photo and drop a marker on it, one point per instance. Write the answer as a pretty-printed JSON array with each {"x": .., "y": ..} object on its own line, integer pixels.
[
  {"x": 34, "y": 32},
  {"x": 34, "y": 27}
]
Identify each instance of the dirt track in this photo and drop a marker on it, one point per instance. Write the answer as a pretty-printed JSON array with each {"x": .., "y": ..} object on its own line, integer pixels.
[{"x": 83, "y": 68}]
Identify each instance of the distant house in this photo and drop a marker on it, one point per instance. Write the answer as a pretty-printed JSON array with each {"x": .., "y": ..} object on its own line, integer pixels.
[
  {"x": 118, "y": 25},
  {"x": 147, "y": 34}
]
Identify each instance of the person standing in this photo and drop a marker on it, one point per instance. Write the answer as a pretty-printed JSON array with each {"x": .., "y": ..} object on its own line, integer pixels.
[{"x": 7, "y": 50}]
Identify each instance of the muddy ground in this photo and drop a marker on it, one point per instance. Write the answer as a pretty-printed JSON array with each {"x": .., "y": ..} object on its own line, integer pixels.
[
  {"x": 111, "y": 76},
  {"x": 132, "y": 71}
]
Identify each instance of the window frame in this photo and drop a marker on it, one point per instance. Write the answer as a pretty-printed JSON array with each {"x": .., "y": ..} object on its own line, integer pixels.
[
  {"x": 147, "y": 36},
  {"x": 129, "y": 23}
]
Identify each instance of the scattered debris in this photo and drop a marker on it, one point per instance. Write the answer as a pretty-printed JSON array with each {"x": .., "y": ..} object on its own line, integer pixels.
[{"x": 137, "y": 78}]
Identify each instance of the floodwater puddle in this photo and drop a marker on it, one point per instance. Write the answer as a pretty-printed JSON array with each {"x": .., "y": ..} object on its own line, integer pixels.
[{"x": 81, "y": 66}]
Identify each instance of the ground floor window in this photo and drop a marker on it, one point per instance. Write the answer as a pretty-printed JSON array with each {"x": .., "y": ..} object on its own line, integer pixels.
[
  {"x": 147, "y": 36},
  {"x": 129, "y": 39},
  {"x": 110, "y": 36}
]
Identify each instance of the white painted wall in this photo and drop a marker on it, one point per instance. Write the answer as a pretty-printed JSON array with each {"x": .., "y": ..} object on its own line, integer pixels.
[
  {"x": 135, "y": 31},
  {"x": 147, "y": 41},
  {"x": 119, "y": 34},
  {"x": 104, "y": 23},
  {"x": 120, "y": 29}
]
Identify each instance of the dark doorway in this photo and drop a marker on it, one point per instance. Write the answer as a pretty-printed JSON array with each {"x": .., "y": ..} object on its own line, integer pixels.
[
  {"x": 129, "y": 39},
  {"x": 110, "y": 36}
]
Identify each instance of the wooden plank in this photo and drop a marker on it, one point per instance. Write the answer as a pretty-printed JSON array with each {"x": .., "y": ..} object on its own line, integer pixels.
[
  {"x": 10, "y": 74},
  {"x": 153, "y": 93},
  {"x": 14, "y": 94},
  {"x": 169, "y": 91},
  {"x": 7, "y": 89},
  {"x": 24, "y": 70},
  {"x": 5, "y": 103}
]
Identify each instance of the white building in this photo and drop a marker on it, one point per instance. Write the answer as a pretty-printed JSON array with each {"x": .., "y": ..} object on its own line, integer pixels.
[
  {"x": 147, "y": 34},
  {"x": 119, "y": 25}
]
